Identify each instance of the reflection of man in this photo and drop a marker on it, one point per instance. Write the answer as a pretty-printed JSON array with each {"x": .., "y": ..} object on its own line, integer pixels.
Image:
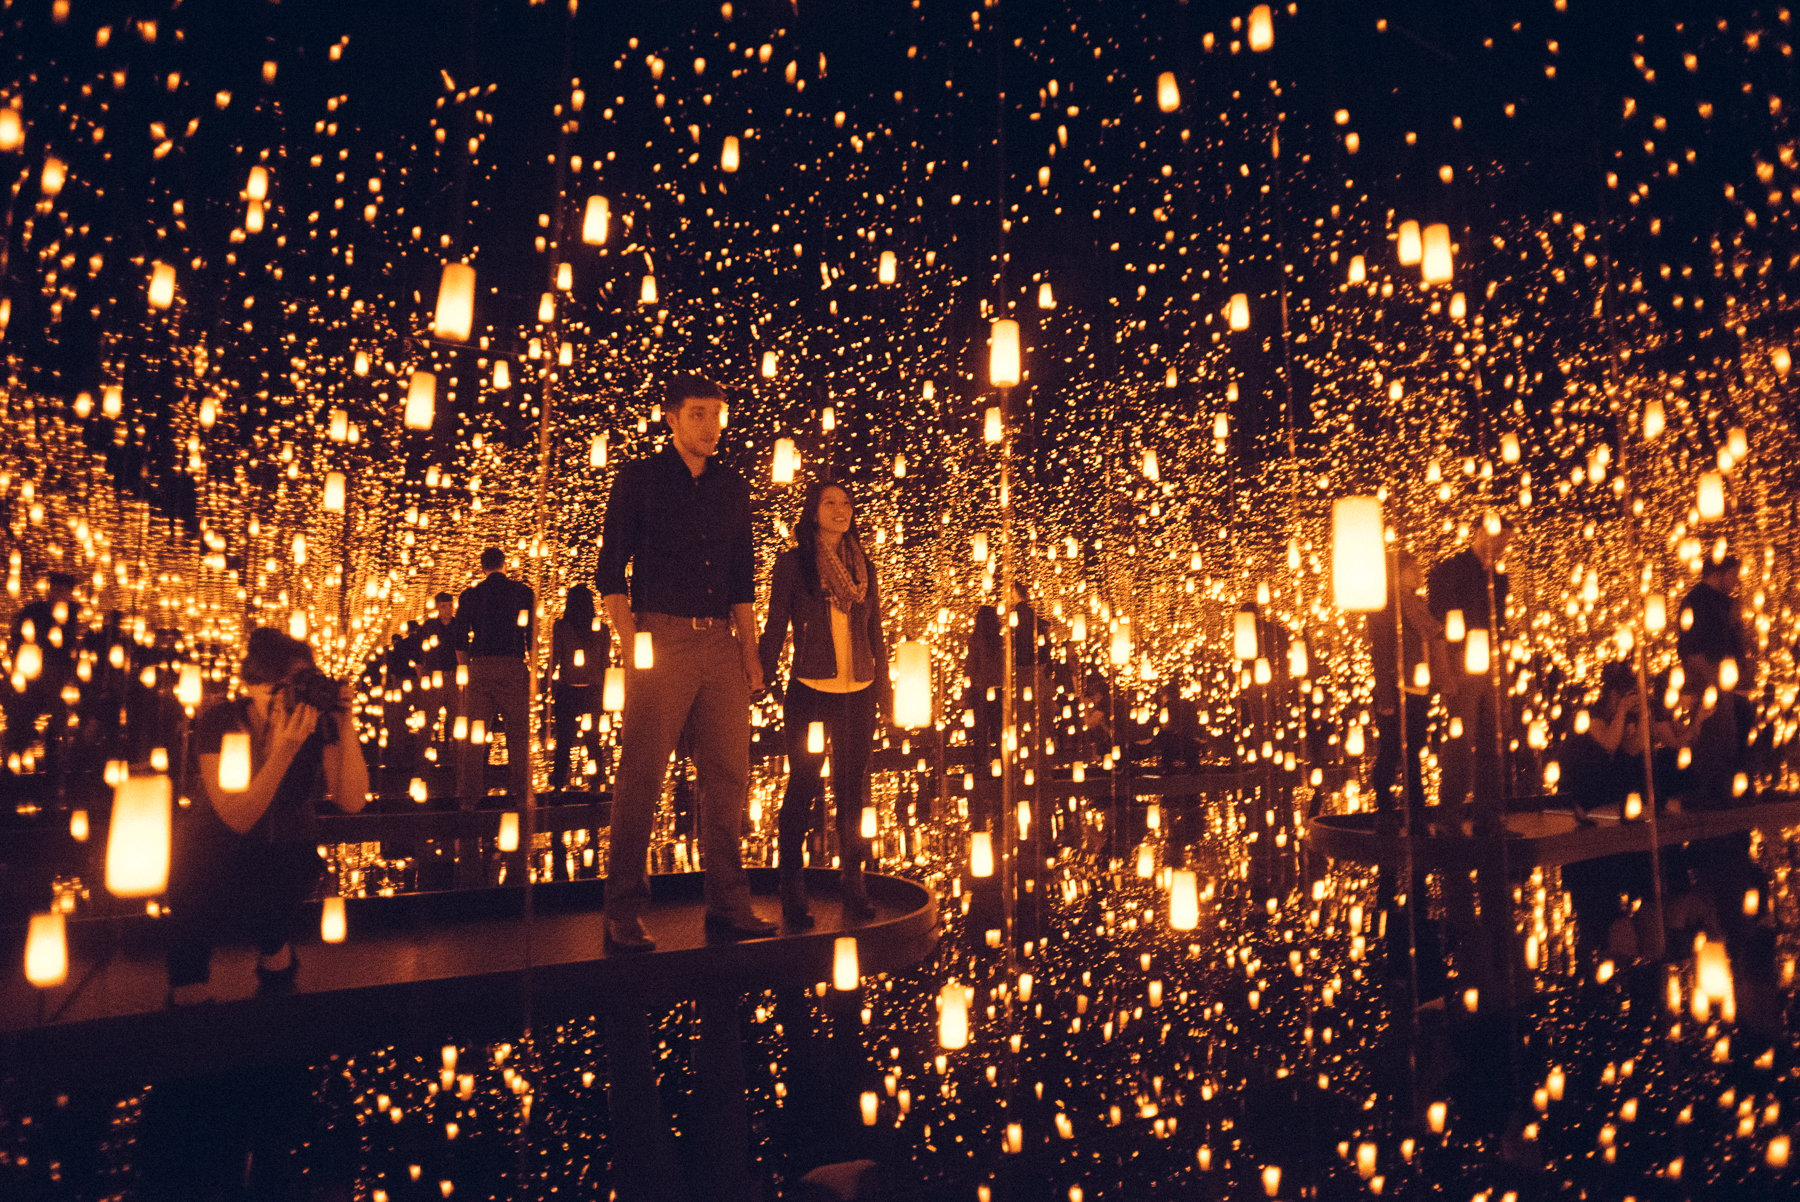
[
  {"x": 1470, "y": 583},
  {"x": 48, "y": 628},
  {"x": 682, "y": 521},
  {"x": 492, "y": 634},
  {"x": 1709, "y": 623}
]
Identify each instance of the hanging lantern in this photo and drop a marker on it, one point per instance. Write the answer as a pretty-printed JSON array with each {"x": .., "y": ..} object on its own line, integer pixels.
[
  {"x": 728, "y": 154},
  {"x": 594, "y": 221},
  {"x": 1120, "y": 651},
  {"x": 47, "y": 950},
  {"x": 55, "y": 175},
  {"x": 162, "y": 285},
  {"x": 647, "y": 291},
  {"x": 1358, "y": 555},
  {"x": 1184, "y": 900},
  {"x": 953, "y": 1016},
  {"x": 981, "y": 854},
  {"x": 769, "y": 363},
  {"x": 1003, "y": 354},
  {"x": 846, "y": 971},
  {"x": 1262, "y": 28},
  {"x": 1359, "y": 269},
  {"x": 912, "y": 685},
  {"x": 333, "y": 925},
  {"x": 1238, "y": 312},
  {"x": 1046, "y": 296},
  {"x": 137, "y": 841},
  {"x": 889, "y": 268},
  {"x": 421, "y": 400},
  {"x": 612, "y": 693},
  {"x": 1656, "y": 613},
  {"x": 455, "y": 315},
  {"x": 334, "y": 492},
  {"x": 991, "y": 426},
  {"x": 1168, "y": 92},
  {"x": 188, "y": 685},
  {"x": 1152, "y": 472},
  {"x": 815, "y": 738},
  {"x": 1711, "y": 501},
  {"x": 787, "y": 462},
  {"x": 1782, "y": 360},
  {"x": 12, "y": 129},
  {"x": 643, "y": 656},
  {"x": 234, "y": 761},
  {"x": 1436, "y": 265},
  {"x": 1411, "y": 248},
  {"x": 508, "y": 838},
  {"x": 1653, "y": 418},
  {"x": 1243, "y": 636},
  {"x": 978, "y": 546},
  {"x": 257, "y": 187},
  {"x": 1477, "y": 656}
]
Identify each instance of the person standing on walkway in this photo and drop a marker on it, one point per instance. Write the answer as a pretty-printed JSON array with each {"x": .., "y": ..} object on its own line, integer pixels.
[
  {"x": 824, "y": 588},
  {"x": 580, "y": 653},
  {"x": 681, "y": 520},
  {"x": 1469, "y": 589},
  {"x": 491, "y": 635}
]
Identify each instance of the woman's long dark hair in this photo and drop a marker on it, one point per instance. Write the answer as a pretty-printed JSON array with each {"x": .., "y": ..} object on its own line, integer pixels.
[
  {"x": 806, "y": 531},
  {"x": 578, "y": 608}
]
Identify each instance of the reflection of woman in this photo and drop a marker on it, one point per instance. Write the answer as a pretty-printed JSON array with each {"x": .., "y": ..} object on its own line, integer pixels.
[
  {"x": 824, "y": 589},
  {"x": 247, "y": 859},
  {"x": 580, "y": 649}
]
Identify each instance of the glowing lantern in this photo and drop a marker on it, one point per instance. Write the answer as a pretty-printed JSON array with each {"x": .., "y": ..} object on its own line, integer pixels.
[
  {"x": 912, "y": 685},
  {"x": 47, "y": 950},
  {"x": 137, "y": 842},
  {"x": 643, "y": 656},
  {"x": 953, "y": 1016},
  {"x": 1476, "y": 652},
  {"x": 1238, "y": 311},
  {"x": 1509, "y": 448},
  {"x": 187, "y": 686},
  {"x": 1046, "y": 296},
  {"x": 334, "y": 492},
  {"x": 1782, "y": 359},
  {"x": 1359, "y": 269},
  {"x": 12, "y": 130},
  {"x": 871, "y": 1104},
  {"x": 1184, "y": 900},
  {"x": 1435, "y": 1116},
  {"x": 1168, "y": 92},
  {"x": 1152, "y": 472},
  {"x": 78, "y": 826},
  {"x": 1119, "y": 652},
  {"x": 455, "y": 314},
  {"x": 421, "y": 400},
  {"x": 1411, "y": 248},
  {"x": 1728, "y": 674},
  {"x": 889, "y": 268},
  {"x": 55, "y": 175},
  {"x": 1459, "y": 306},
  {"x": 332, "y": 923},
  {"x": 1436, "y": 265},
  {"x": 846, "y": 971},
  {"x": 991, "y": 428},
  {"x": 162, "y": 285},
  {"x": 257, "y": 187},
  {"x": 728, "y": 154},
  {"x": 787, "y": 462},
  {"x": 1271, "y": 1180},
  {"x": 1656, "y": 613},
  {"x": 1358, "y": 555},
  {"x": 815, "y": 738},
  {"x": 1712, "y": 980},
  {"x": 597, "y": 451},
  {"x": 1454, "y": 626},
  {"x": 769, "y": 363},
  {"x": 1262, "y": 28},
  {"x": 612, "y": 693},
  {"x": 647, "y": 291},
  {"x": 978, "y": 546},
  {"x": 594, "y": 221},
  {"x": 1003, "y": 353},
  {"x": 1243, "y": 635},
  {"x": 234, "y": 761},
  {"x": 508, "y": 839},
  {"x": 1711, "y": 501},
  {"x": 981, "y": 854}
]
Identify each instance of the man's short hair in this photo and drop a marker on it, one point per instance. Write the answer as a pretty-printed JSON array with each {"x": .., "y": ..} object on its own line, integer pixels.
[
  {"x": 444, "y": 597},
  {"x": 493, "y": 559},
  {"x": 688, "y": 386},
  {"x": 61, "y": 582},
  {"x": 1727, "y": 566}
]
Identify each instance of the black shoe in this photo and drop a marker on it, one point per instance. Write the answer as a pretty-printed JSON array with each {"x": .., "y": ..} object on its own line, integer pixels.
[
  {"x": 793, "y": 905},
  {"x": 628, "y": 935},
  {"x": 278, "y": 980},
  {"x": 855, "y": 892},
  {"x": 745, "y": 925}
]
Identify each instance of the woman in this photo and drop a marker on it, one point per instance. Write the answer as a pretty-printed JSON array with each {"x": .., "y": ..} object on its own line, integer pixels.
[
  {"x": 824, "y": 589},
  {"x": 581, "y": 649},
  {"x": 248, "y": 858}
]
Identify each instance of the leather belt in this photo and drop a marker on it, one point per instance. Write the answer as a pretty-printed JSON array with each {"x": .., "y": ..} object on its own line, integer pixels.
[{"x": 689, "y": 621}]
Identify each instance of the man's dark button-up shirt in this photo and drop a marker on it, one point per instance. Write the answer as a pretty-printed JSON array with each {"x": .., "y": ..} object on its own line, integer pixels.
[
  {"x": 1460, "y": 582},
  {"x": 487, "y": 618},
  {"x": 686, "y": 537}
]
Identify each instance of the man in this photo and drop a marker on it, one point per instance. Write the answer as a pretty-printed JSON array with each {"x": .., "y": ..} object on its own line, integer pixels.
[
  {"x": 491, "y": 635},
  {"x": 1709, "y": 622},
  {"x": 1469, "y": 583},
  {"x": 682, "y": 521},
  {"x": 1406, "y": 617}
]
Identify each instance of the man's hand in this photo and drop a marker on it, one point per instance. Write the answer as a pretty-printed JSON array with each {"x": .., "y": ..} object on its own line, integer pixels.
[{"x": 753, "y": 670}]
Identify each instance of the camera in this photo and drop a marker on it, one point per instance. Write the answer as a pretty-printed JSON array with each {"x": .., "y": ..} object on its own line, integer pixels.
[{"x": 312, "y": 687}]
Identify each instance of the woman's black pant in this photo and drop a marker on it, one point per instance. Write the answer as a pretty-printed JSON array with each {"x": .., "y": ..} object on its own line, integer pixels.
[
  {"x": 224, "y": 886},
  {"x": 849, "y": 720},
  {"x": 570, "y": 703}
]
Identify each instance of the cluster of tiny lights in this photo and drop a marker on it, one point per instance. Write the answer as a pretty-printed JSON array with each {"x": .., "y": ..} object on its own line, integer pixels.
[{"x": 303, "y": 306}]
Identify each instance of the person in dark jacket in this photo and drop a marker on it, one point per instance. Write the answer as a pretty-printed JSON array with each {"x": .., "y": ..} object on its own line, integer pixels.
[
  {"x": 824, "y": 589},
  {"x": 491, "y": 635},
  {"x": 1469, "y": 590},
  {"x": 580, "y": 651}
]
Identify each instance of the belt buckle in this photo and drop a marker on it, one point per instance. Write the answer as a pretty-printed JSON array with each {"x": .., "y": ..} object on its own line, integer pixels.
[{"x": 699, "y": 623}]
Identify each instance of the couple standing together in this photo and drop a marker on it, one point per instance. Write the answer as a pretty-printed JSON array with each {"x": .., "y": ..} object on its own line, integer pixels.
[{"x": 681, "y": 520}]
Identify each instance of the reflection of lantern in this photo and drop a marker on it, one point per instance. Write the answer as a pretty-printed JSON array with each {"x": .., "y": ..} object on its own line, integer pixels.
[
  {"x": 1152, "y": 470},
  {"x": 1003, "y": 354},
  {"x": 981, "y": 854},
  {"x": 1454, "y": 626},
  {"x": 594, "y": 221},
  {"x": 1653, "y": 417},
  {"x": 1243, "y": 635},
  {"x": 1046, "y": 296},
  {"x": 78, "y": 825},
  {"x": 1238, "y": 312},
  {"x": 912, "y": 685},
  {"x": 508, "y": 839},
  {"x": 1411, "y": 248},
  {"x": 1656, "y": 613},
  {"x": 953, "y": 1016},
  {"x": 162, "y": 285},
  {"x": 643, "y": 655},
  {"x": 647, "y": 291},
  {"x": 334, "y": 492},
  {"x": 54, "y": 176},
  {"x": 1262, "y": 28},
  {"x": 888, "y": 269},
  {"x": 1435, "y": 264},
  {"x": 787, "y": 461},
  {"x": 1358, "y": 555},
  {"x": 815, "y": 738},
  {"x": 1711, "y": 501},
  {"x": 47, "y": 950},
  {"x": 1168, "y": 92},
  {"x": 1359, "y": 270},
  {"x": 234, "y": 761},
  {"x": 846, "y": 972},
  {"x": 137, "y": 842},
  {"x": 332, "y": 924},
  {"x": 1120, "y": 650},
  {"x": 1476, "y": 652},
  {"x": 991, "y": 428},
  {"x": 455, "y": 314},
  {"x": 1184, "y": 900},
  {"x": 728, "y": 154},
  {"x": 421, "y": 400},
  {"x": 978, "y": 546},
  {"x": 612, "y": 693},
  {"x": 187, "y": 687}
]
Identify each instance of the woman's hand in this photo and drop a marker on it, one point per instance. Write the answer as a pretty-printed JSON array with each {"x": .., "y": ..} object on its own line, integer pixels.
[{"x": 293, "y": 727}]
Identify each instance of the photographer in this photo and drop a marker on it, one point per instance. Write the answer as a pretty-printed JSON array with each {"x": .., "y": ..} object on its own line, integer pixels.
[{"x": 246, "y": 859}]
